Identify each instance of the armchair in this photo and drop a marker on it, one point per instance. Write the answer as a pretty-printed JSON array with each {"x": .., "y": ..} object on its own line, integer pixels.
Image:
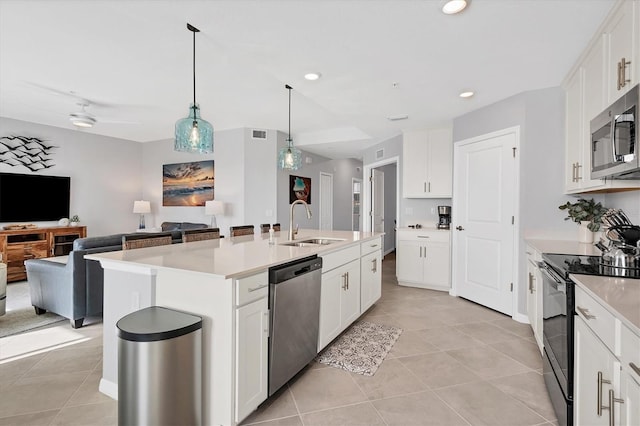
[{"x": 73, "y": 289}]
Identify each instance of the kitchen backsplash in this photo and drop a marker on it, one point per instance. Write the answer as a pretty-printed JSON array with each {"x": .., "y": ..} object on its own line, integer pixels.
[{"x": 628, "y": 201}]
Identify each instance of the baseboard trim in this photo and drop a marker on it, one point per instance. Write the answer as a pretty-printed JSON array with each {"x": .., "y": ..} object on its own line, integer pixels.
[
  {"x": 108, "y": 388},
  {"x": 520, "y": 318}
]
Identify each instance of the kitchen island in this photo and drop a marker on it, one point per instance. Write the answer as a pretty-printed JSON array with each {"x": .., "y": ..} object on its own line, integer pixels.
[{"x": 225, "y": 281}]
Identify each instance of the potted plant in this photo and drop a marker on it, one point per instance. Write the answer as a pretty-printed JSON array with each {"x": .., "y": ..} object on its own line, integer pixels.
[
  {"x": 588, "y": 214},
  {"x": 74, "y": 220}
]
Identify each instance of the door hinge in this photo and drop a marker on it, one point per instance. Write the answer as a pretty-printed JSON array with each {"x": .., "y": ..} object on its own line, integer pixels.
[
  {"x": 513, "y": 220},
  {"x": 511, "y": 287},
  {"x": 514, "y": 152},
  {"x": 370, "y": 178}
]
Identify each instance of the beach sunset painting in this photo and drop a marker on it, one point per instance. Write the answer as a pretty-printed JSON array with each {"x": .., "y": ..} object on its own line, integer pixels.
[{"x": 187, "y": 184}]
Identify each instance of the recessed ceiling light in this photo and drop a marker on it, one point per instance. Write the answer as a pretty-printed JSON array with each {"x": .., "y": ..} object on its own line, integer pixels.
[
  {"x": 454, "y": 6},
  {"x": 466, "y": 94},
  {"x": 312, "y": 76}
]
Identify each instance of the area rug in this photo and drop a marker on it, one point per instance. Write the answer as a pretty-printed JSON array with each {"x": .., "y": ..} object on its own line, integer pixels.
[
  {"x": 362, "y": 348},
  {"x": 25, "y": 319}
]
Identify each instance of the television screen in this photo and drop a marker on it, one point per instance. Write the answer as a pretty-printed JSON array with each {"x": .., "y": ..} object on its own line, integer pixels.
[{"x": 33, "y": 197}]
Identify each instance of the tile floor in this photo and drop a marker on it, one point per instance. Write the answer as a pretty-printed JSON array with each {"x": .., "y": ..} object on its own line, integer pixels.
[{"x": 456, "y": 363}]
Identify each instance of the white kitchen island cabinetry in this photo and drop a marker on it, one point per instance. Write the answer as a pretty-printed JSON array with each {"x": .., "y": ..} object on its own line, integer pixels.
[
  {"x": 340, "y": 294},
  {"x": 226, "y": 283},
  {"x": 424, "y": 258},
  {"x": 252, "y": 338},
  {"x": 590, "y": 87},
  {"x": 370, "y": 273},
  {"x": 427, "y": 170}
]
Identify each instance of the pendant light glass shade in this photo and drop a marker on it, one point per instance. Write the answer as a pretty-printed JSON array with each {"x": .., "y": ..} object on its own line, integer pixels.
[
  {"x": 193, "y": 134},
  {"x": 289, "y": 157}
]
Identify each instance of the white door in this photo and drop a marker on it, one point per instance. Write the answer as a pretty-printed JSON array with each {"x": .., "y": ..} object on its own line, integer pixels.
[
  {"x": 377, "y": 200},
  {"x": 484, "y": 206},
  {"x": 326, "y": 201}
]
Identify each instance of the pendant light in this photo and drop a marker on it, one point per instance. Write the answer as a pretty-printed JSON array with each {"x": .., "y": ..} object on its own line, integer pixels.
[
  {"x": 193, "y": 134},
  {"x": 289, "y": 157}
]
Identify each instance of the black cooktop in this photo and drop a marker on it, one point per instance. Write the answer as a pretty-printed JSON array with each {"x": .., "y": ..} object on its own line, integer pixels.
[{"x": 566, "y": 264}]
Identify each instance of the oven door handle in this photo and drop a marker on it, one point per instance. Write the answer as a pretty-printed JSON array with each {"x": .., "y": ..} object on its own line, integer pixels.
[{"x": 556, "y": 282}]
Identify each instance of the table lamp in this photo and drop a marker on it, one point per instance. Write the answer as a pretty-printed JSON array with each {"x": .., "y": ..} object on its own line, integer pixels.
[
  {"x": 212, "y": 208},
  {"x": 141, "y": 207}
]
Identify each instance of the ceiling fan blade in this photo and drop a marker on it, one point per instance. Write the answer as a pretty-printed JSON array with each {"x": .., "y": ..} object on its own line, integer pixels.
[{"x": 70, "y": 93}]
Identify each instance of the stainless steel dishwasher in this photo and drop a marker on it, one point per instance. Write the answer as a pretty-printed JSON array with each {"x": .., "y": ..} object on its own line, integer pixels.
[{"x": 294, "y": 302}]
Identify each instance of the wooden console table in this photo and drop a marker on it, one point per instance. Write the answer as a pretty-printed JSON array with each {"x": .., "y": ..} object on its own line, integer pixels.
[{"x": 18, "y": 245}]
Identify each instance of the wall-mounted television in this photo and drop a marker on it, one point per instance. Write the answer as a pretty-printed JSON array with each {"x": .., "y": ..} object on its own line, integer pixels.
[{"x": 33, "y": 197}]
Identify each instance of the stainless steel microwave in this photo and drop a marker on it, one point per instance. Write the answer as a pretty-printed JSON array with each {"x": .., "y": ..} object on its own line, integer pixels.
[{"x": 614, "y": 140}]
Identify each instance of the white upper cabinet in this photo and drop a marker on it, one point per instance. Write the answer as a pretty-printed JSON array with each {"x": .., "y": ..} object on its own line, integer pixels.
[
  {"x": 591, "y": 87},
  {"x": 621, "y": 33},
  {"x": 427, "y": 163}
]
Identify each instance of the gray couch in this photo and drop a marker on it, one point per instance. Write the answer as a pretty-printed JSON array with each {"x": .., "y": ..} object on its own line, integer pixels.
[{"x": 75, "y": 290}]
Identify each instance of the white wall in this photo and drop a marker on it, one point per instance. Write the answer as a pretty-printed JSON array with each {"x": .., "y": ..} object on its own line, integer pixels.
[
  {"x": 342, "y": 170},
  {"x": 540, "y": 115},
  {"x": 245, "y": 176},
  {"x": 106, "y": 175}
]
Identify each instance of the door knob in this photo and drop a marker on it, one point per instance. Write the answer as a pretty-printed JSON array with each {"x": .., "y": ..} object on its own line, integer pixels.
[{"x": 459, "y": 228}]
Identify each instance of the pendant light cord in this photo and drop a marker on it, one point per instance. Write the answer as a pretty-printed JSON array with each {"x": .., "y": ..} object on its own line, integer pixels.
[
  {"x": 289, "y": 88},
  {"x": 194, "y": 69}
]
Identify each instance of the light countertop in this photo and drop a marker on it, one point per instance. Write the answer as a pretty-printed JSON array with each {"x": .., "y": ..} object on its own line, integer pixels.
[
  {"x": 564, "y": 247},
  {"x": 620, "y": 296},
  {"x": 231, "y": 257}
]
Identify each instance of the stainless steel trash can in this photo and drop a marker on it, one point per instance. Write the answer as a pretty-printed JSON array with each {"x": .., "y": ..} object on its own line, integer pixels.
[{"x": 159, "y": 368}]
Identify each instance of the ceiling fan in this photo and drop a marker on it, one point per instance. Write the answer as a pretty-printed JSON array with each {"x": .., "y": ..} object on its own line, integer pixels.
[{"x": 82, "y": 118}]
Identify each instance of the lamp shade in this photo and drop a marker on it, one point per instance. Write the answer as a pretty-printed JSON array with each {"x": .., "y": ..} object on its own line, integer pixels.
[
  {"x": 213, "y": 207},
  {"x": 141, "y": 207},
  {"x": 193, "y": 134}
]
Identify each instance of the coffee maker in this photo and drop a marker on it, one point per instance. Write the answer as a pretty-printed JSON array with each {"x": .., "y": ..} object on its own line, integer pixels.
[{"x": 444, "y": 220}]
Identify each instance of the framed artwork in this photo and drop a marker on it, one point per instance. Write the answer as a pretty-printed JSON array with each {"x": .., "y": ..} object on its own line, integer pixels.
[
  {"x": 187, "y": 184},
  {"x": 299, "y": 189}
]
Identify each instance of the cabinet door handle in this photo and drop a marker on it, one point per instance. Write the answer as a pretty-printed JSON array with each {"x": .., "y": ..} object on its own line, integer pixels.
[
  {"x": 344, "y": 282},
  {"x": 374, "y": 266},
  {"x": 622, "y": 73},
  {"x": 635, "y": 368},
  {"x": 266, "y": 330},
  {"x": 423, "y": 236},
  {"x": 585, "y": 312},
  {"x": 459, "y": 228},
  {"x": 601, "y": 407},
  {"x": 612, "y": 411},
  {"x": 429, "y": 187},
  {"x": 578, "y": 177},
  {"x": 530, "y": 283},
  {"x": 251, "y": 290},
  {"x": 424, "y": 189},
  {"x": 347, "y": 281},
  {"x": 373, "y": 245}
]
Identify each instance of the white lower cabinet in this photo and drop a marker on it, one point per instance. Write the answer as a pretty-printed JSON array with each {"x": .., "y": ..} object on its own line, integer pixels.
[
  {"x": 424, "y": 259},
  {"x": 606, "y": 352},
  {"x": 370, "y": 280},
  {"x": 340, "y": 301},
  {"x": 252, "y": 337},
  {"x": 595, "y": 376}
]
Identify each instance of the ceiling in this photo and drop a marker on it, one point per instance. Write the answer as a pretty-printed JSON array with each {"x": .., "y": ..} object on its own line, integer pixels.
[{"x": 132, "y": 60}]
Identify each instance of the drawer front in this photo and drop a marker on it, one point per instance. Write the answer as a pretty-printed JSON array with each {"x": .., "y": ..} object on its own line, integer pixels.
[
  {"x": 630, "y": 357},
  {"x": 597, "y": 318},
  {"x": 441, "y": 236},
  {"x": 26, "y": 251},
  {"x": 252, "y": 288},
  {"x": 371, "y": 246},
  {"x": 338, "y": 258}
]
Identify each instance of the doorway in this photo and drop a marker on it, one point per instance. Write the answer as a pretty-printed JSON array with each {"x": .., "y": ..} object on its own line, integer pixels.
[
  {"x": 326, "y": 201},
  {"x": 485, "y": 206},
  {"x": 389, "y": 205}
]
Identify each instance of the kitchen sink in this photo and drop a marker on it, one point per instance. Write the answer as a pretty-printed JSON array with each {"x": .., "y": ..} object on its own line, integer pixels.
[{"x": 310, "y": 242}]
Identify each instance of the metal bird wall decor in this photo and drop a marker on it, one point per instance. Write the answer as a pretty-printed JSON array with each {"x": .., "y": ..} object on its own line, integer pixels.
[{"x": 32, "y": 153}]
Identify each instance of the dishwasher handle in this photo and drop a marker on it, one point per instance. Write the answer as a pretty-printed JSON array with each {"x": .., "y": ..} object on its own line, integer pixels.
[{"x": 287, "y": 271}]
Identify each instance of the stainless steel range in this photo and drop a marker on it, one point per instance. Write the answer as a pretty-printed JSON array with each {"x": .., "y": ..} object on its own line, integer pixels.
[{"x": 558, "y": 321}]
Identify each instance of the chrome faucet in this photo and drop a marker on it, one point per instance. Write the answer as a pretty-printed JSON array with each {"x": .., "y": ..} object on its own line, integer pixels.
[{"x": 292, "y": 232}]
